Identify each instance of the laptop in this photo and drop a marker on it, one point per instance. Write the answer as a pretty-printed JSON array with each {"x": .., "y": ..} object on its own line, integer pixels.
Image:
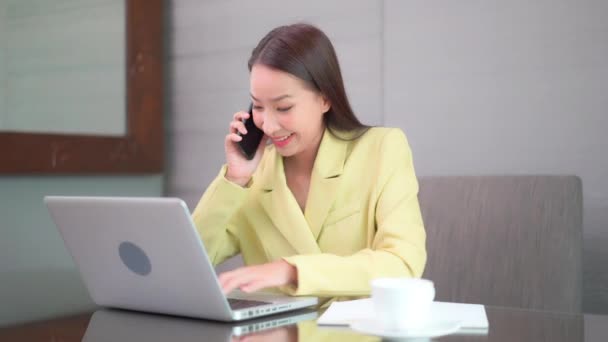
[
  {"x": 145, "y": 254},
  {"x": 120, "y": 325}
]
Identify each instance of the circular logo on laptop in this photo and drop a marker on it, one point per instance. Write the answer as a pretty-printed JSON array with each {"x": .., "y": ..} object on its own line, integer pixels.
[{"x": 134, "y": 258}]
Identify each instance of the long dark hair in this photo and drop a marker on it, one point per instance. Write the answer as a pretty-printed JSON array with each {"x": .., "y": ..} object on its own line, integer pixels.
[{"x": 305, "y": 51}]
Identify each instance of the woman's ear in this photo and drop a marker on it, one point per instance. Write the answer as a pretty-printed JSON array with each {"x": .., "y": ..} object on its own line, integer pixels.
[{"x": 325, "y": 104}]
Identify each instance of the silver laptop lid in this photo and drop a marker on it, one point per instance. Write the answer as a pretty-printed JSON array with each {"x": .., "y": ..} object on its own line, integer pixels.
[{"x": 141, "y": 254}]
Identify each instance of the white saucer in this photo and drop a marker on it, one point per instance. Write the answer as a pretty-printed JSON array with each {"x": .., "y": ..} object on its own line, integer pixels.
[{"x": 433, "y": 329}]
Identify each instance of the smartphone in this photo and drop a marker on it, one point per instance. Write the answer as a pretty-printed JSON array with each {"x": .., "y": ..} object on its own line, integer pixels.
[{"x": 250, "y": 142}]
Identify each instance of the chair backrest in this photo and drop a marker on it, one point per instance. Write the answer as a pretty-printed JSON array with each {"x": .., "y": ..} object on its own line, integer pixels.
[{"x": 505, "y": 240}]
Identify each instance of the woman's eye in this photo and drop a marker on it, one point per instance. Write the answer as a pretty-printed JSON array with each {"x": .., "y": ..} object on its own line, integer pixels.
[
  {"x": 257, "y": 108},
  {"x": 284, "y": 109}
]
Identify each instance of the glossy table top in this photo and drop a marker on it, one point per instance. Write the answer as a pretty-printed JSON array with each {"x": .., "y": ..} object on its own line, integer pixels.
[{"x": 506, "y": 324}]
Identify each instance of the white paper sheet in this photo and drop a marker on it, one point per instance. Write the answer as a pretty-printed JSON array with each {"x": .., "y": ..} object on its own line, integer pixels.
[{"x": 471, "y": 316}]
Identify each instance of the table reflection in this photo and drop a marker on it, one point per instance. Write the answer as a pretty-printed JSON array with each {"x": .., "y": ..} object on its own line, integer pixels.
[
  {"x": 506, "y": 324},
  {"x": 120, "y": 325}
]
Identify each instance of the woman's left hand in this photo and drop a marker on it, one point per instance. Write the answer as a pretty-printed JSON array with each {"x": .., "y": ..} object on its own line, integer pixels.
[{"x": 253, "y": 278}]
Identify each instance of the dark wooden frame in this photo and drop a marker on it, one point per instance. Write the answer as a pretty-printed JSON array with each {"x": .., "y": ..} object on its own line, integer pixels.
[{"x": 141, "y": 149}]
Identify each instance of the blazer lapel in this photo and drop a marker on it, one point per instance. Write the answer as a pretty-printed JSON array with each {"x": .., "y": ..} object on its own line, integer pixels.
[
  {"x": 283, "y": 209},
  {"x": 324, "y": 182}
]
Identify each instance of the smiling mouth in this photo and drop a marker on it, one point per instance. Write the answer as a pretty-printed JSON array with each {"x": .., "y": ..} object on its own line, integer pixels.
[{"x": 282, "y": 138}]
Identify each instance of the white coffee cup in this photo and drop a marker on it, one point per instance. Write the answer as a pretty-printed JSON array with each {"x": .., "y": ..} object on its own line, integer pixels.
[{"x": 402, "y": 303}]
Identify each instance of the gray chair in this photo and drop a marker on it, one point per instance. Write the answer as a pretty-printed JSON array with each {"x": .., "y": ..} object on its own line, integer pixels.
[{"x": 505, "y": 240}]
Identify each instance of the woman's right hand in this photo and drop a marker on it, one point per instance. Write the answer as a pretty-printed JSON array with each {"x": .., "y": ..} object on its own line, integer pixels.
[{"x": 240, "y": 169}]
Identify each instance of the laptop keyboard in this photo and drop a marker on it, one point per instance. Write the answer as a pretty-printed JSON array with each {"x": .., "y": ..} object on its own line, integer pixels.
[{"x": 237, "y": 304}]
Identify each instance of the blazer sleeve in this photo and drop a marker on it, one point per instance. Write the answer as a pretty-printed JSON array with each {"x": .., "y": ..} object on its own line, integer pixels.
[
  {"x": 398, "y": 247},
  {"x": 217, "y": 217}
]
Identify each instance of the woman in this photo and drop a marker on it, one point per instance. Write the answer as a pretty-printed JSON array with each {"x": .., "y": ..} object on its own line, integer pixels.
[{"x": 331, "y": 203}]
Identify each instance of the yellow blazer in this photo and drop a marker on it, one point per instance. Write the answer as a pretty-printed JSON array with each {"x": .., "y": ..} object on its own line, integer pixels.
[{"x": 362, "y": 218}]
